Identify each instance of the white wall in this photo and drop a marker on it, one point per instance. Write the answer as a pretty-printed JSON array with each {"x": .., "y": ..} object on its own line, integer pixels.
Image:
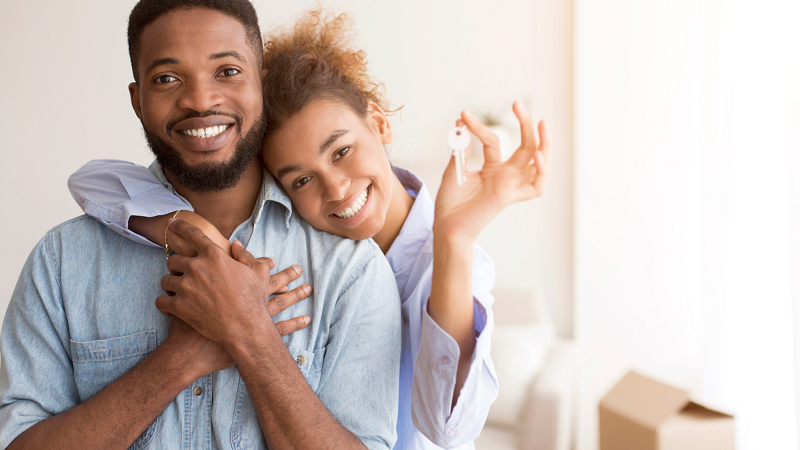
[
  {"x": 682, "y": 173},
  {"x": 437, "y": 58},
  {"x": 64, "y": 70}
]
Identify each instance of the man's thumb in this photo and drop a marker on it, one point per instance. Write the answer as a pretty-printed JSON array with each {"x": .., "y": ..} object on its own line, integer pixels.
[{"x": 242, "y": 255}]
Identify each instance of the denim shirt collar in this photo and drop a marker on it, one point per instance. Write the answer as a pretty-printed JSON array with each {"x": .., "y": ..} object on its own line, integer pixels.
[{"x": 270, "y": 191}]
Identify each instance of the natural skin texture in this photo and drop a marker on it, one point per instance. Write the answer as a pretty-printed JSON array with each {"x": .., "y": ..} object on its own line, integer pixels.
[
  {"x": 463, "y": 211},
  {"x": 326, "y": 155},
  {"x": 199, "y": 46}
]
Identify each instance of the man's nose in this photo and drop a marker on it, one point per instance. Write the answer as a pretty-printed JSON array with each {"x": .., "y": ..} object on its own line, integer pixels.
[
  {"x": 199, "y": 95},
  {"x": 336, "y": 188}
]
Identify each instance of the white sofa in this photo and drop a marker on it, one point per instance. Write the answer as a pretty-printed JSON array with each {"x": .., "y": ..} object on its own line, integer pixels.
[{"x": 535, "y": 371}]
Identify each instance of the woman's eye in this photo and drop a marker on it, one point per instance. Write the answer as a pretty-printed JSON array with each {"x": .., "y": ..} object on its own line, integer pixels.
[
  {"x": 229, "y": 72},
  {"x": 301, "y": 182},
  {"x": 164, "y": 79},
  {"x": 341, "y": 152}
]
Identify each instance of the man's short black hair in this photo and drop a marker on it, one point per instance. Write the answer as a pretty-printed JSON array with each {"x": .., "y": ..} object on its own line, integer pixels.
[{"x": 147, "y": 11}]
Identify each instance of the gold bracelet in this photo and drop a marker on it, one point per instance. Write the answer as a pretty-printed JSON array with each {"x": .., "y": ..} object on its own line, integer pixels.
[{"x": 166, "y": 244}]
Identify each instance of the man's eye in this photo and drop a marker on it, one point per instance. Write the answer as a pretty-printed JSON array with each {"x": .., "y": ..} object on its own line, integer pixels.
[
  {"x": 341, "y": 152},
  {"x": 229, "y": 72},
  {"x": 164, "y": 79},
  {"x": 301, "y": 182}
]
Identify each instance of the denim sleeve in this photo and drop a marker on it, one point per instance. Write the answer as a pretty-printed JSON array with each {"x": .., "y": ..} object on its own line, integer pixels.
[
  {"x": 112, "y": 191},
  {"x": 36, "y": 378},
  {"x": 436, "y": 367},
  {"x": 360, "y": 377}
]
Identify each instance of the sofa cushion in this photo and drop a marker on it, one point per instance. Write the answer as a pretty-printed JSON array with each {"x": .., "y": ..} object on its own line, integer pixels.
[{"x": 518, "y": 353}]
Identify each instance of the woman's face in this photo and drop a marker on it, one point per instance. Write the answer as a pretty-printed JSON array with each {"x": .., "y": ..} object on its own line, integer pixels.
[{"x": 333, "y": 165}]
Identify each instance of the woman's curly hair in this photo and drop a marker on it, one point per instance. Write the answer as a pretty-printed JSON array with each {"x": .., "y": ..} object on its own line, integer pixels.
[{"x": 313, "y": 60}]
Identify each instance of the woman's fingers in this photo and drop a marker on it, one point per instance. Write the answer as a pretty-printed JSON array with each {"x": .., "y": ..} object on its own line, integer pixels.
[
  {"x": 529, "y": 142},
  {"x": 491, "y": 144},
  {"x": 544, "y": 134},
  {"x": 542, "y": 169},
  {"x": 279, "y": 303},
  {"x": 525, "y": 126}
]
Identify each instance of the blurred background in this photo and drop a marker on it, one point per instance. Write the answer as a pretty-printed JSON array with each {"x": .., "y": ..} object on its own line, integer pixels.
[{"x": 668, "y": 241}]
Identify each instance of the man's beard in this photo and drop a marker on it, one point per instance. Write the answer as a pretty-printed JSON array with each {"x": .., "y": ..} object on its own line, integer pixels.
[{"x": 209, "y": 176}]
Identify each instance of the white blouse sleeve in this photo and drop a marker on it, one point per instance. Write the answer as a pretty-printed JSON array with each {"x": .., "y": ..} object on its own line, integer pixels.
[
  {"x": 437, "y": 365},
  {"x": 112, "y": 191}
]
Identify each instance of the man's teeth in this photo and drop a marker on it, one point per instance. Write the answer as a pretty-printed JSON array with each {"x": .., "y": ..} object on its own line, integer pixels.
[
  {"x": 353, "y": 209},
  {"x": 206, "y": 132}
]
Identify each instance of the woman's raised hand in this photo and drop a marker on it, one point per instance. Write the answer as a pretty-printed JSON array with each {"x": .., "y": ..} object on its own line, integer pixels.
[{"x": 463, "y": 211}]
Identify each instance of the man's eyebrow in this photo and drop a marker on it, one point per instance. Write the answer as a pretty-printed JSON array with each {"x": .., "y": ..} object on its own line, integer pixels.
[
  {"x": 160, "y": 62},
  {"x": 331, "y": 139},
  {"x": 287, "y": 169},
  {"x": 221, "y": 55}
]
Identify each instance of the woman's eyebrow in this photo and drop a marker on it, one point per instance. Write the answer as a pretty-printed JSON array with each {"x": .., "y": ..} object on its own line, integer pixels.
[
  {"x": 288, "y": 169},
  {"x": 322, "y": 149},
  {"x": 331, "y": 139}
]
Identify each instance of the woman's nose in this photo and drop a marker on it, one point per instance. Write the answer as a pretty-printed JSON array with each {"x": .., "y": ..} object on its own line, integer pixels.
[{"x": 336, "y": 188}]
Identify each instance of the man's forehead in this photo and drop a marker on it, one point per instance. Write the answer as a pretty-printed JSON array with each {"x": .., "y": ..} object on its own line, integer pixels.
[{"x": 193, "y": 33}]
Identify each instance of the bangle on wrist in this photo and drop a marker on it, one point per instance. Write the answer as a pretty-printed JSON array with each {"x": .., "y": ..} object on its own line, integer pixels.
[{"x": 166, "y": 244}]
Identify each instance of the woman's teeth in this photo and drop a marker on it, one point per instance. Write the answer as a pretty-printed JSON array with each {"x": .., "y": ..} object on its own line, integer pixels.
[
  {"x": 353, "y": 209},
  {"x": 206, "y": 132}
]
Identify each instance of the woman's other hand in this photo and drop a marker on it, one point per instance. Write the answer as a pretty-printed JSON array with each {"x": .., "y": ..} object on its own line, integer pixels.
[{"x": 463, "y": 211}]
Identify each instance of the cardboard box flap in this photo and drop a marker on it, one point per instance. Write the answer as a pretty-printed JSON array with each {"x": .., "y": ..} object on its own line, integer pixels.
[{"x": 644, "y": 401}]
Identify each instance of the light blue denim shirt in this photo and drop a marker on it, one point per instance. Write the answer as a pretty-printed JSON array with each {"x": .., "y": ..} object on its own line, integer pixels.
[
  {"x": 83, "y": 313},
  {"x": 113, "y": 191}
]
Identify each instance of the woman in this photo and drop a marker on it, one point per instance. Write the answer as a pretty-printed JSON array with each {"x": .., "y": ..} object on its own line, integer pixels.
[{"x": 324, "y": 143}]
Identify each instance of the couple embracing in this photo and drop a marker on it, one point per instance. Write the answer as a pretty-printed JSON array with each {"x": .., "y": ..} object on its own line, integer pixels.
[{"x": 372, "y": 331}]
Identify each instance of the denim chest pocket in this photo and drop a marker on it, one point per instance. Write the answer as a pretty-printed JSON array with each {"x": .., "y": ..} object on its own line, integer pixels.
[
  {"x": 246, "y": 432},
  {"x": 97, "y": 364}
]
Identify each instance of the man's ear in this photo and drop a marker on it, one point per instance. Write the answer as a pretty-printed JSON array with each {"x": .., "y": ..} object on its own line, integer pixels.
[
  {"x": 380, "y": 122},
  {"x": 133, "y": 88}
]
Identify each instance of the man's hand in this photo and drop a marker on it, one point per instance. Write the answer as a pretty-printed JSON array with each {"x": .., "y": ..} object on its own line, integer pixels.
[
  {"x": 201, "y": 356},
  {"x": 225, "y": 299}
]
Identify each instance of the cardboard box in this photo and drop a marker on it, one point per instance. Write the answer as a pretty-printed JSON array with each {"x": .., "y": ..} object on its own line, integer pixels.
[{"x": 642, "y": 414}]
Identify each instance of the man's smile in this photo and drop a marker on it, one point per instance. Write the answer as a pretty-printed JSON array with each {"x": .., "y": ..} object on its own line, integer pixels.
[{"x": 203, "y": 134}]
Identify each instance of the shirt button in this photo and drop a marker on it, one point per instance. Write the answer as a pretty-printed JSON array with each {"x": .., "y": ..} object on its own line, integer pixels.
[
  {"x": 445, "y": 360},
  {"x": 198, "y": 391},
  {"x": 301, "y": 360}
]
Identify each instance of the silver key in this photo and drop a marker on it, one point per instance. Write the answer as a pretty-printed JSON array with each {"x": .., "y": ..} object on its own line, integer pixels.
[{"x": 458, "y": 139}]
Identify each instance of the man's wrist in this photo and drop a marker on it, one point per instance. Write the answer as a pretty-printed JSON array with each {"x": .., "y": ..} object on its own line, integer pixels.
[
  {"x": 249, "y": 346},
  {"x": 177, "y": 374}
]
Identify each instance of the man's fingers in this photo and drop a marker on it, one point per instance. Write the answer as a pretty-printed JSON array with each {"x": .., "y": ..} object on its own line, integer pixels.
[
  {"x": 191, "y": 233},
  {"x": 290, "y": 326},
  {"x": 279, "y": 303},
  {"x": 165, "y": 304},
  {"x": 270, "y": 262},
  {"x": 169, "y": 283},
  {"x": 284, "y": 277},
  {"x": 178, "y": 264},
  {"x": 243, "y": 256}
]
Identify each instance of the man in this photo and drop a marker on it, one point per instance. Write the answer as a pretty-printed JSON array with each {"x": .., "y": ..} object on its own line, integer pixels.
[{"x": 89, "y": 362}]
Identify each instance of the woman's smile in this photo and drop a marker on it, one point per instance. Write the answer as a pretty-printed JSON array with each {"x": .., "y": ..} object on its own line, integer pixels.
[{"x": 354, "y": 209}]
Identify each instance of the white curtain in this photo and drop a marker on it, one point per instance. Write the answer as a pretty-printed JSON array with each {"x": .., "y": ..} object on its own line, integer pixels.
[{"x": 685, "y": 238}]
